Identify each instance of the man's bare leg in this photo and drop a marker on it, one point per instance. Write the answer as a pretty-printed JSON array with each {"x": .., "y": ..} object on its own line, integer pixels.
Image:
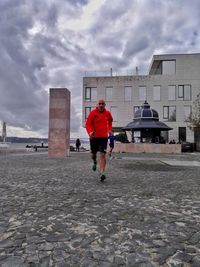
[
  {"x": 102, "y": 165},
  {"x": 94, "y": 158},
  {"x": 110, "y": 152}
]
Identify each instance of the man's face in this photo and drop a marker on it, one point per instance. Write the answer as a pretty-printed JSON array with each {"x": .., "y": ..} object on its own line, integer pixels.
[{"x": 101, "y": 105}]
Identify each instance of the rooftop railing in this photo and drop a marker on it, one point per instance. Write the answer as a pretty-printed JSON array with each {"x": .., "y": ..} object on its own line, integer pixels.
[{"x": 112, "y": 72}]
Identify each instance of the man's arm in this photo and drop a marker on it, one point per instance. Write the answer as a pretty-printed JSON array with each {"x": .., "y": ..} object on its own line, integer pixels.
[
  {"x": 89, "y": 125},
  {"x": 110, "y": 120}
]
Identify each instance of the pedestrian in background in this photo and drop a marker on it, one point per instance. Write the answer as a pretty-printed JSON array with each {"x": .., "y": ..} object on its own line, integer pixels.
[
  {"x": 78, "y": 144},
  {"x": 111, "y": 139}
]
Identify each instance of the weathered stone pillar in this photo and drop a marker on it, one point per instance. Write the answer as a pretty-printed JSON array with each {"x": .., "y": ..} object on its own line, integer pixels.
[{"x": 59, "y": 123}]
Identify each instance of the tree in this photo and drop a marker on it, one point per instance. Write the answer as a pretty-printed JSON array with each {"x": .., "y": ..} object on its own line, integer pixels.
[
  {"x": 121, "y": 137},
  {"x": 194, "y": 117}
]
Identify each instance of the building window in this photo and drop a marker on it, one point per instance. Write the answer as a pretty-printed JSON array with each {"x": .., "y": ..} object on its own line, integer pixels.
[
  {"x": 187, "y": 112},
  {"x": 87, "y": 112},
  {"x": 171, "y": 92},
  {"x": 168, "y": 67},
  {"x": 113, "y": 111},
  {"x": 184, "y": 92},
  {"x": 135, "y": 108},
  {"x": 156, "y": 92},
  {"x": 169, "y": 113},
  {"x": 90, "y": 94},
  {"x": 142, "y": 93},
  {"x": 109, "y": 92},
  {"x": 127, "y": 93}
]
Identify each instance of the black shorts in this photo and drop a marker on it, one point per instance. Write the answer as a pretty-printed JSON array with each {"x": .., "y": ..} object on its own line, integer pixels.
[{"x": 98, "y": 145}]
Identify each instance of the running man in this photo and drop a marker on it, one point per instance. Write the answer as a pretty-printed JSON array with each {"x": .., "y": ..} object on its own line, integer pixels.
[{"x": 98, "y": 127}]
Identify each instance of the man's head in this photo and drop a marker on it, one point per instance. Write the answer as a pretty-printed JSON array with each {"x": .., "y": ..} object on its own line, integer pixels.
[{"x": 101, "y": 105}]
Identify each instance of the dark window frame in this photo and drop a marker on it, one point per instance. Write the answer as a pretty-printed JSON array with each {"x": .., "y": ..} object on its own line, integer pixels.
[
  {"x": 182, "y": 96},
  {"x": 168, "y": 113}
]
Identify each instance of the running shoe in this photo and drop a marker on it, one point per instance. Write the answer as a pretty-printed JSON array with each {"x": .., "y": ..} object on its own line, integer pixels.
[
  {"x": 102, "y": 177},
  {"x": 94, "y": 167}
]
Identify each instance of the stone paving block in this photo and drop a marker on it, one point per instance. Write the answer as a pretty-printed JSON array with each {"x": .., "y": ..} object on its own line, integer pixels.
[{"x": 56, "y": 212}]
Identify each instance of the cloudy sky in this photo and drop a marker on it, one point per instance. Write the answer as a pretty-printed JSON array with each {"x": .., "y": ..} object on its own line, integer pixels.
[{"x": 51, "y": 43}]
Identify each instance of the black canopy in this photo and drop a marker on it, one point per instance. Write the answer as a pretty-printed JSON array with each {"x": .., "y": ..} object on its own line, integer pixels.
[
  {"x": 146, "y": 118},
  {"x": 146, "y": 124}
]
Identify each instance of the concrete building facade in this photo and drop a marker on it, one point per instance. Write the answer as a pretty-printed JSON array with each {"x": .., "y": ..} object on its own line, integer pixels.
[{"x": 170, "y": 87}]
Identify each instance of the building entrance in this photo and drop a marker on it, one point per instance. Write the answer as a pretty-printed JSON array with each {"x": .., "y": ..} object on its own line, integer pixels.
[{"x": 182, "y": 134}]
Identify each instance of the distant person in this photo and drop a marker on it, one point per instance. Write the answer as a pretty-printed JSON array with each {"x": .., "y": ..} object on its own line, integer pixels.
[
  {"x": 111, "y": 139},
  {"x": 78, "y": 144},
  {"x": 98, "y": 127}
]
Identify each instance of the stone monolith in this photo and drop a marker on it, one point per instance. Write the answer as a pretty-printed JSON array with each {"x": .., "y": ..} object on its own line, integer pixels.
[{"x": 59, "y": 123}]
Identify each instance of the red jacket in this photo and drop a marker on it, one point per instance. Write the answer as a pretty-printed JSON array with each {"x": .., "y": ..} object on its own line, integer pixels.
[{"x": 99, "y": 122}]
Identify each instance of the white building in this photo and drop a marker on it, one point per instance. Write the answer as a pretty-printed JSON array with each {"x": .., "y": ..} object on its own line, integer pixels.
[{"x": 170, "y": 88}]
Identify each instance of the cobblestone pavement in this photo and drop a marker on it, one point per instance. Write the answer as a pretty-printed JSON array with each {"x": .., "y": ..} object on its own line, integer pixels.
[{"x": 56, "y": 212}]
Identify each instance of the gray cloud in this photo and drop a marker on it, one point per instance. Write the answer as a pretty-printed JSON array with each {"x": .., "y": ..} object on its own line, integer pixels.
[{"x": 40, "y": 48}]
